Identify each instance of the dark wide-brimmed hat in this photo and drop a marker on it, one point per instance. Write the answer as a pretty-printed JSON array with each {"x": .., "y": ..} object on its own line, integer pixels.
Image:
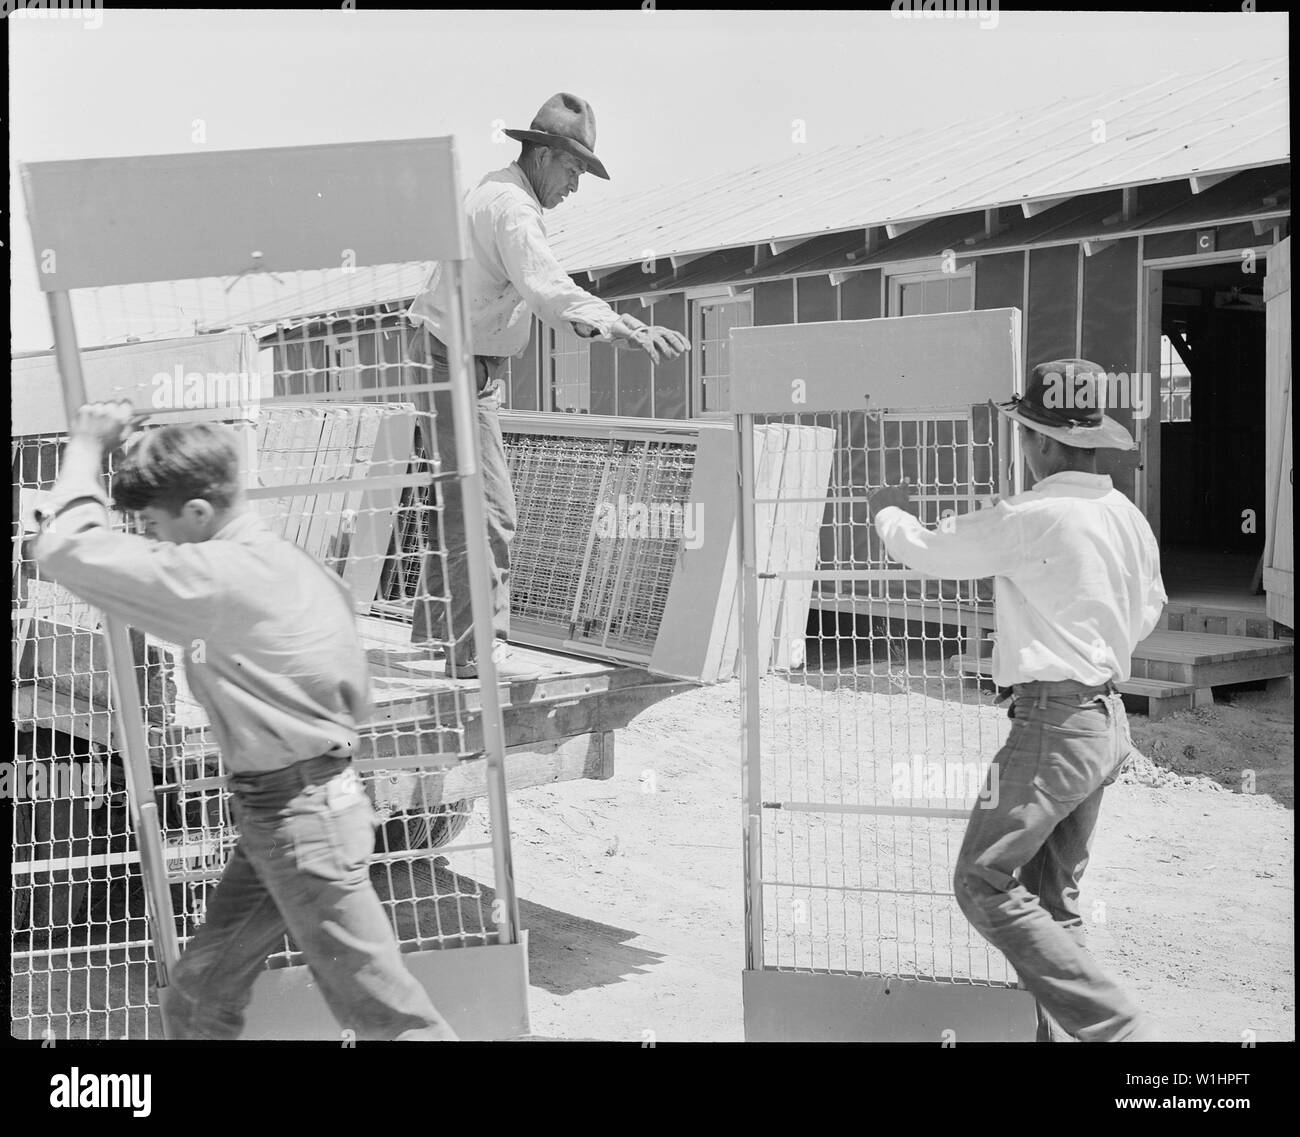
[
  {"x": 1066, "y": 399},
  {"x": 568, "y": 123}
]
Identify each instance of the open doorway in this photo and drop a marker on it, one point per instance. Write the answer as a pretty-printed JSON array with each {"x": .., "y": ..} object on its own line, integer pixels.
[{"x": 1212, "y": 435}]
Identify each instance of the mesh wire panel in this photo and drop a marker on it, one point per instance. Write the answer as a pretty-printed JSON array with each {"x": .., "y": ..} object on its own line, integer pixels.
[
  {"x": 576, "y": 574},
  {"x": 947, "y": 454},
  {"x": 344, "y": 423},
  {"x": 873, "y": 754}
]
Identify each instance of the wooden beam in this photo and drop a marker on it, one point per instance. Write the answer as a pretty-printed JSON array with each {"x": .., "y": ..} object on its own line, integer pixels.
[
  {"x": 1201, "y": 182},
  {"x": 536, "y": 764},
  {"x": 898, "y": 228},
  {"x": 1092, "y": 247},
  {"x": 870, "y": 243},
  {"x": 1040, "y": 205},
  {"x": 684, "y": 259},
  {"x": 983, "y": 233},
  {"x": 779, "y": 247},
  {"x": 1127, "y": 210}
]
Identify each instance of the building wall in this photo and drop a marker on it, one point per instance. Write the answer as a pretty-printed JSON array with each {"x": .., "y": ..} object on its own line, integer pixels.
[
  {"x": 1073, "y": 305},
  {"x": 1108, "y": 334},
  {"x": 671, "y": 381}
]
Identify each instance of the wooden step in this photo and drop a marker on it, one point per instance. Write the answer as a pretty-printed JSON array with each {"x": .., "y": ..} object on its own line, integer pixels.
[
  {"x": 967, "y": 664},
  {"x": 1159, "y": 697},
  {"x": 1199, "y": 658},
  {"x": 1205, "y": 660},
  {"x": 1154, "y": 697}
]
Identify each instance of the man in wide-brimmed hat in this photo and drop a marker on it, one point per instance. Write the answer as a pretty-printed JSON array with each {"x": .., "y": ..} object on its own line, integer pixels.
[
  {"x": 511, "y": 276},
  {"x": 1077, "y": 586}
]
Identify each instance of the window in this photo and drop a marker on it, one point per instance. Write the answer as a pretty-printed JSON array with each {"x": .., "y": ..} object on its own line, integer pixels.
[
  {"x": 712, "y": 319},
  {"x": 568, "y": 372},
  {"x": 520, "y": 381},
  {"x": 345, "y": 367},
  {"x": 265, "y": 386},
  {"x": 341, "y": 364},
  {"x": 1175, "y": 385},
  {"x": 925, "y": 293}
]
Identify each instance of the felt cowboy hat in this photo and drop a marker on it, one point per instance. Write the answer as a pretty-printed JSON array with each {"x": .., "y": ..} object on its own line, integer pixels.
[
  {"x": 568, "y": 123},
  {"x": 1065, "y": 399}
]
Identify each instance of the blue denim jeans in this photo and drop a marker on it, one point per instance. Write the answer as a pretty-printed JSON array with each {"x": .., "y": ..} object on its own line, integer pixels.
[
  {"x": 442, "y": 609},
  {"x": 1018, "y": 871},
  {"x": 306, "y": 834}
]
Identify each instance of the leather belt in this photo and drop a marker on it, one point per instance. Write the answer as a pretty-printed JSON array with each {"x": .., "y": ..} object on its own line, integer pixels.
[{"x": 1043, "y": 689}]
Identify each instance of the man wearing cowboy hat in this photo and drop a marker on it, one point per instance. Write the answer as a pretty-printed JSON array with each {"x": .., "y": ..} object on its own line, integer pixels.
[
  {"x": 1077, "y": 585},
  {"x": 511, "y": 276}
]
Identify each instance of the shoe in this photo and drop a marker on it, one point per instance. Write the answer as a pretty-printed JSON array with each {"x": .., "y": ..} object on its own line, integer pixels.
[
  {"x": 435, "y": 647},
  {"x": 508, "y": 664}
]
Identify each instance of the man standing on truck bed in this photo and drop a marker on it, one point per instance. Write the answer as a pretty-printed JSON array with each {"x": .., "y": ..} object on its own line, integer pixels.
[
  {"x": 272, "y": 655},
  {"x": 511, "y": 276},
  {"x": 1077, "y": 585}
]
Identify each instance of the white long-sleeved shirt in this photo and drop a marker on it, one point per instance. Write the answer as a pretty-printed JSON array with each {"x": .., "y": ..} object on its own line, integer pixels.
[
  {"x": 511, "y": 274},
  {"x": 1076, "y": 573},
  {"x": 268, "y": 635}
]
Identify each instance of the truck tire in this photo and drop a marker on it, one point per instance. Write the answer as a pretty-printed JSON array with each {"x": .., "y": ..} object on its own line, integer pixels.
[
  {"x": 449, "y": 822},
  {"x": 421, "y": 831},
  {"x": 22, "y": 888}
]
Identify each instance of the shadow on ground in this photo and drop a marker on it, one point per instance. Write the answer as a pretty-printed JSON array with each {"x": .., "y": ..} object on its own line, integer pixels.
[{"x": 566, "y": 953}]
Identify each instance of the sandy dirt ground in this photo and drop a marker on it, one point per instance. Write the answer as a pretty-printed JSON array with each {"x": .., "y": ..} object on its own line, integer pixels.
[{"x": 631, "y": 888}]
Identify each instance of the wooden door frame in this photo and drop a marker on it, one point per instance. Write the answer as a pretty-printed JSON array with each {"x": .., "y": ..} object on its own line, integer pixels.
[{"x": 1151, "y": 272}]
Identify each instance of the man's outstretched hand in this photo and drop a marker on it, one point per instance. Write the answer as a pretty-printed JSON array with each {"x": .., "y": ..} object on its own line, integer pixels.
[
  {"x": 656, "y": 341},
  {"x": 899, "y": 496}
]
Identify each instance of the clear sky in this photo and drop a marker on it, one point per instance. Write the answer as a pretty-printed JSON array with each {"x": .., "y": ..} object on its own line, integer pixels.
[{"x": 676, "y": 95}]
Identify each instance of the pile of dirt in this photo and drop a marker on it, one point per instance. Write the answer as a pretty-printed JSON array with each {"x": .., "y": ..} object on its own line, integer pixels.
[{"x": 1242, "y": 744}]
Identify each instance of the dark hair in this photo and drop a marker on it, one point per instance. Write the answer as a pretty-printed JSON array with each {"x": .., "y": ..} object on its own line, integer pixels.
[
  {"x": 1075, "y": 457},
  {"x": 171, "y": 465}
]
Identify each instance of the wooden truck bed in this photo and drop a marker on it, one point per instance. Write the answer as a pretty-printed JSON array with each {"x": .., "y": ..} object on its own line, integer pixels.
[
  {"x": 558, "y": 725},
  {"x": 426, "y": 730}
]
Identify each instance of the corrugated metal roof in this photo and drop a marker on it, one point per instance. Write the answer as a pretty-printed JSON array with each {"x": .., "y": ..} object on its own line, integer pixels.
[
  {"x": 1233, "y": 118},
  {"x": 1247, "y": 195},
  {"x": 363, "y": 287},
  {"x": 1170, "y": 128}
]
